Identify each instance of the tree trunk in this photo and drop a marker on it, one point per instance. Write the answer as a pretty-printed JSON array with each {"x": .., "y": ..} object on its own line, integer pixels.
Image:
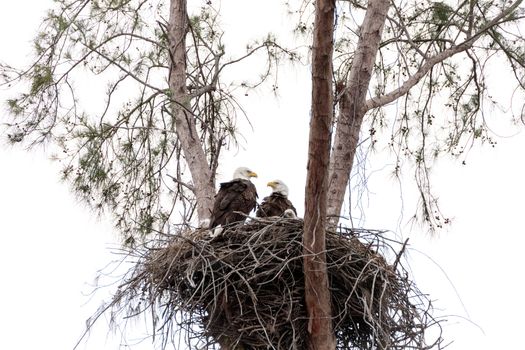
[
  {"x": 352, "y": 105},
  {"x": 317, "y": 292},
  {"x": 183, "y": 119}
]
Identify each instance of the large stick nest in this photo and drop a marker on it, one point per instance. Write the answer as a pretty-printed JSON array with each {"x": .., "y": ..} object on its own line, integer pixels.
[{"x": 245, "y": 288}]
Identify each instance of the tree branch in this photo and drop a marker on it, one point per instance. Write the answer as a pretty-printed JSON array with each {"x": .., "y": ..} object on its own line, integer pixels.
[
  {"x": 183, "y": 122},
  {"x": 351, "y": 111},
  {"x": 379, "y": 101}
]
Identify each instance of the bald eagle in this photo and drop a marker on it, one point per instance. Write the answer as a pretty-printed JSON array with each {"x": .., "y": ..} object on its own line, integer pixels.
[
  {"x": 277, "y": 204},
  {"x": 234, "y": 198}
]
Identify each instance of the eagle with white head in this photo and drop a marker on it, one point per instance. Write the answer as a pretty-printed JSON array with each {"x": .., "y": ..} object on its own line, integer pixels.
[
  {"x": 277, "y": 203},
  {"x": 235, "y": 198}
]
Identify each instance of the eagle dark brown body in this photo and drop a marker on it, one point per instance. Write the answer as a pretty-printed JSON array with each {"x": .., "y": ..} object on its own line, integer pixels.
[
  {"x": 238, "y": 195},
  {"x": 274, "y": 205}
]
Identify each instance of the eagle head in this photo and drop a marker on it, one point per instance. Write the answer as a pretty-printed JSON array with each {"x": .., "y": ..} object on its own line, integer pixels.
[
  {"x": 278, "y": 187},
  {"x": 243, "y": 173}
]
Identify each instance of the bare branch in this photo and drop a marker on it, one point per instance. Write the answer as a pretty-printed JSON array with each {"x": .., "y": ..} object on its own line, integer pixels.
[{"x": 440, "y": 57}]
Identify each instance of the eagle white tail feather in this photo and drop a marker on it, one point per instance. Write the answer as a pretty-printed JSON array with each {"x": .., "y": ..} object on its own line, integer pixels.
[{"x": 216, "y": 231}]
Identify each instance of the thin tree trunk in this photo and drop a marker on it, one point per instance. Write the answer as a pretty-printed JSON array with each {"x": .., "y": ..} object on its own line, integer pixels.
[
  {"x": 317, "y": 292},
  {"x": 352, "y": 105},
  {"x": 184, "y": 121}
]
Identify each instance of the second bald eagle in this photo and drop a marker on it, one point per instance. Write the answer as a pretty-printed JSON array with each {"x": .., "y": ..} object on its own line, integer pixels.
[{"x": 276, "y": 204}]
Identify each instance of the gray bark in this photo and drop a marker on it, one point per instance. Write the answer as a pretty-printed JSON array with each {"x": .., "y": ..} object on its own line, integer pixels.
[
  {"x": 183, "y": 120},
  {"x": 352, "y": 105}
]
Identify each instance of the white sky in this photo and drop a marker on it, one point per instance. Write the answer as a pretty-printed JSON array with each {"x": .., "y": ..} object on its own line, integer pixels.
[{"x": 52, "y": 245}]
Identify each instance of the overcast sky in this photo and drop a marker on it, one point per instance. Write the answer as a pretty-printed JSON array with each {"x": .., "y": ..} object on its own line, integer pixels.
[{"x": 52, "y": 245}]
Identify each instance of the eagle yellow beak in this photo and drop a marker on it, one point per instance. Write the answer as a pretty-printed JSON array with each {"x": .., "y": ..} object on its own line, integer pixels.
[
  {"x": 252, "y": 174},
  {"x": 271, "y": 184}
]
